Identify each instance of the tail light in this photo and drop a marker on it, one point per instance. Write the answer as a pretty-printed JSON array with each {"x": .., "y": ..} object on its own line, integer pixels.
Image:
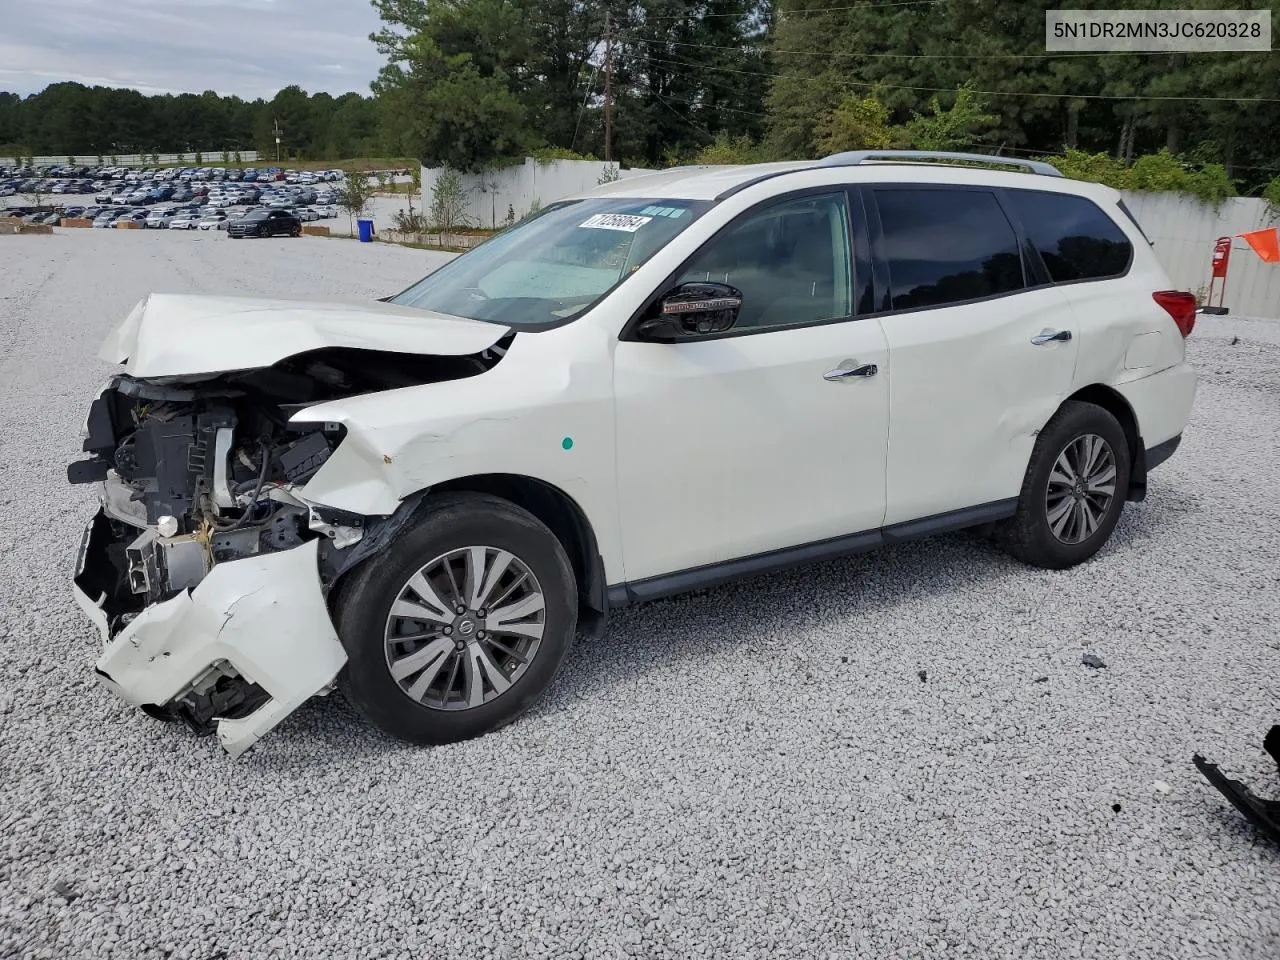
[{"x": 1179, "y": 305}]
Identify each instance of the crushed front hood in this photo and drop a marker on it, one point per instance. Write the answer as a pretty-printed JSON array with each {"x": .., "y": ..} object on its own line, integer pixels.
[{"x": 172, "y": 335}]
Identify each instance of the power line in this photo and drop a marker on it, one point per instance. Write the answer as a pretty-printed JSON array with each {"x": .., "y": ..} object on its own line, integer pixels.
[
  {"x": 790, "y": 13},
  {"x": 917, "y": 56},
  {"x": 987, "y": 93}
]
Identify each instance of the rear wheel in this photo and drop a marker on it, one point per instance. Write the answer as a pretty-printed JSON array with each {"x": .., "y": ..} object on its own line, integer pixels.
[
  {"x": 1073, "y": 491},
  {"x": 461, "y": 624},
  {"x": 295, "y": 230}
]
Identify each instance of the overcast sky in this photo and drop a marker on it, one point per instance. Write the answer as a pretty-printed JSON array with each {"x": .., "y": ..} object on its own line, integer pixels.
[{"x": 251, "y": 48}]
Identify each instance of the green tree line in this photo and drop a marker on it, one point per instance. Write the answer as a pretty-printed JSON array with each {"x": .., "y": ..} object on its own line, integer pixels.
[
  {"x": 477, "y": 83},
  {"x": 71, "y": 118}
]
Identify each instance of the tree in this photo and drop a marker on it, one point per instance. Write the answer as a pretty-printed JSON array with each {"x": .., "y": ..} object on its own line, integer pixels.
[
  {"x": 354, "y": 196},
  {"x": 857, "y": 123},
  {"x": 963, "y": 125},
  {"x": 448, "y": 209}
]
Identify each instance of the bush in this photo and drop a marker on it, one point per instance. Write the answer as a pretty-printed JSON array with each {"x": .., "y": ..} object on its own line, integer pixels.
[
  {"x": 535, "y": 208},
  {"x": 448, "y": 201},
  {"x": 407, "y": 221},
  {"x": 1271, "y": 194},
  {"x": 725, "y": 150},
  {"x": 545, "y": 155},
  {"x": 609, "y": 174},
  {"x": 1157, "y": 172}
]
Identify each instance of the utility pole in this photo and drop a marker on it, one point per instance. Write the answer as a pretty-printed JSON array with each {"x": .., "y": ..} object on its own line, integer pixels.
[
  {"x": 275, "y": 128},
  {"x": 608, "y": 88}
]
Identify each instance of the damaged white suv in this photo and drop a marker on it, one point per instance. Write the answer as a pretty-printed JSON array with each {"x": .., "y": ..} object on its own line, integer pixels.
[{"x": 672, "y": 381}]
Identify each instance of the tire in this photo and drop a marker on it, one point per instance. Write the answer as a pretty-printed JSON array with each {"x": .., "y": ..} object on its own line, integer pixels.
[
  {"x": 295, "y": 231},
  {"x": 1058, "y": 525},
  {"x": 365, "y": 619},
  {"x": 262, "y": 233}
]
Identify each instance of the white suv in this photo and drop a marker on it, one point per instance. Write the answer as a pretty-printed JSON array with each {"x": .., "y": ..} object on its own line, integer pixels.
[{"x": 672, "y": 381}]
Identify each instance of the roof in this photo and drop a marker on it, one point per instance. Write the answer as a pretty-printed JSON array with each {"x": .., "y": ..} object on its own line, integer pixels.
[{"x": 713, "y": 182}]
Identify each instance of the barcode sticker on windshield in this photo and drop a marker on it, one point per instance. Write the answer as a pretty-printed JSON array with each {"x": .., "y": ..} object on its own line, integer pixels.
[{"x": 627, "y": 222}]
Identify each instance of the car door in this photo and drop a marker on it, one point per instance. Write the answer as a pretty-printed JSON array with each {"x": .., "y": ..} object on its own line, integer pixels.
[
  {"x": 982, "y": 348},
  {"x": 770, "y": 435}
]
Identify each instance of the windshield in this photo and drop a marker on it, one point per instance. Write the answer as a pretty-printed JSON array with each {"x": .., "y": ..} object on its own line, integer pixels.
[{"x": 556, "y": 265}]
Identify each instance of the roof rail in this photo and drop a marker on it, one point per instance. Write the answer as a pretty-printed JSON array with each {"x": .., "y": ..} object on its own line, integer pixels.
[{"x": 853, "y": 158}]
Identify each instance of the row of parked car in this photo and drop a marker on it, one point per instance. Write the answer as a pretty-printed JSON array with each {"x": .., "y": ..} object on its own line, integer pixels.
[
  {"x": 145, "y": 182},
  {"x": 254, "y": 222}
]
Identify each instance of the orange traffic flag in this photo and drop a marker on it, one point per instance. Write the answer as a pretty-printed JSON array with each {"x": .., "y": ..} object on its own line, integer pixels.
[{"x": 1265, "y": 243}]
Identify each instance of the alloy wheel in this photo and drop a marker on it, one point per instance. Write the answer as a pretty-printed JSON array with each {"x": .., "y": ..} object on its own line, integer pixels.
[
  {"x": 464, "y": 628},
  {"x": 1082, "y": 486}
]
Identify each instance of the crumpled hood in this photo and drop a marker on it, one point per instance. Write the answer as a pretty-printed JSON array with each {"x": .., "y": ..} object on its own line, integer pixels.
[{"x": 171, "y": 335}]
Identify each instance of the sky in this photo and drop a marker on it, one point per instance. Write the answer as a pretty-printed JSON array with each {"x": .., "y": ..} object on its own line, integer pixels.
[{"x": 250, "y": 48}]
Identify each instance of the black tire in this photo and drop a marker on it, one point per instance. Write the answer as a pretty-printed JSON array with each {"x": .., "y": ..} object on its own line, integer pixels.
[
  {"x": 364, "y": 601},
  {"x": 262, "y": 233},
  {"x": 1028, "y": 536},
  {"x": 295, "y": 231}
]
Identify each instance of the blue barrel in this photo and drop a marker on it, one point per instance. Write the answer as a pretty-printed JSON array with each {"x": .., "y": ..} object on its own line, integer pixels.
[{"x": 366, "y": 230}]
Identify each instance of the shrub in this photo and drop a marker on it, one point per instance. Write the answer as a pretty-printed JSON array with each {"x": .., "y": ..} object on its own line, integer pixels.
[
  {"x": 609, "y": 174},
  {"x": 407, "y": 221},
  {"x": 448, "y": 201},
  {"x": 1155, "y": 172},
  {"x": 1271, "y": 194},
  {"x": 724, "y": 150}
]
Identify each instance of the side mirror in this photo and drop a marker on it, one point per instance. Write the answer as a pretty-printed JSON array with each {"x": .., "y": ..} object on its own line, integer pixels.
[{"x": 693, "y": 310}]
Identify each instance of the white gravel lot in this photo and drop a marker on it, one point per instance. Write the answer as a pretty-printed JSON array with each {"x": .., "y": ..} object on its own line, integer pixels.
[{"x": 757, "y": 771}]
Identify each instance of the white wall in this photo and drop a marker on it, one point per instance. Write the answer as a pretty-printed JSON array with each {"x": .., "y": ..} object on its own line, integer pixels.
[
  {"x": 516, "y": 188},
  {"x": 213, "y": 159},
  {"x": 1184, "y": 231}
]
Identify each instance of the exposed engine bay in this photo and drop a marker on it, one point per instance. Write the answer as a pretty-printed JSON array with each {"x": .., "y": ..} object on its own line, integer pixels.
[{"x": 200, "y": 471}]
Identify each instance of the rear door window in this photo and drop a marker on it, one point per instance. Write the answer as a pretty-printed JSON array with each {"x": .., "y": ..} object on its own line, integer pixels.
[
  {"x": 1076, "y": 240},
  {"x": 947, "y": 246}
]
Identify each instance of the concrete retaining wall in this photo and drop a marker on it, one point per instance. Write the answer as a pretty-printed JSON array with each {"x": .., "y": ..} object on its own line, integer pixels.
[
  {"x": 515, "y": 190},
  {"x": 1183, "y": 231}
]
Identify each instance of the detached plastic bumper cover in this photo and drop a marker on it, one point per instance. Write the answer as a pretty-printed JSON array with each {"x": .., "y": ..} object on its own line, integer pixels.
[
  {"x": 265, "y": 616},
  {"x": 1263, "y": 814}
]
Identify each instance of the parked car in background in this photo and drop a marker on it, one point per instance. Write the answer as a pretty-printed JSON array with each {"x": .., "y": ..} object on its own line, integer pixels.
[
  {"x": 185, "y": 221},
  {"x": 106, "y": 218},
  {"x": 213, "y": 220},
  {"x": 136, "y": 216},
  {"x": 265, "y": 223},
  {"x": 160, "y": 217}
]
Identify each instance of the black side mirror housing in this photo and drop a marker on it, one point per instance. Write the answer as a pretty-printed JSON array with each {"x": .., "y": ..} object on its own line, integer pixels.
[{"x": 693, "y": 309}]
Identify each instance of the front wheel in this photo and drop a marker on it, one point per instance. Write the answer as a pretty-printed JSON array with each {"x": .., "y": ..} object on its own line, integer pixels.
[
  {"x": 1073, "y": 491},
  {"x": 295, "y": 231},
  {"x": 461, "y": 624}
]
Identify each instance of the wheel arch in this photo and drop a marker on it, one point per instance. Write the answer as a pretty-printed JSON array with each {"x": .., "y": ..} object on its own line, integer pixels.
[
  {"x": 1111, "y": 400},
  {"x": 564, "y": 517}
]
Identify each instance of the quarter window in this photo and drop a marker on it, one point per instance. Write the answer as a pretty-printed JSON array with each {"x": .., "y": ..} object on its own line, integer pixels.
[
  {"x": 947, "y": 246},
  {"x": 1076, "y": 240},
  {"x": 789, "y": 259}
]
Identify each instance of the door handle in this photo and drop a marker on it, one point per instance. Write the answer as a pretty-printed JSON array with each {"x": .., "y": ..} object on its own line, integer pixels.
[
  {"x": 847, "y": 370},
  {"x": 1043, "y": 338}
]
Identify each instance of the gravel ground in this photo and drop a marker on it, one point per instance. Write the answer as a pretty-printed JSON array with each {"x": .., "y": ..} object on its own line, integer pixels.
[{"x": 898, "y": 755}]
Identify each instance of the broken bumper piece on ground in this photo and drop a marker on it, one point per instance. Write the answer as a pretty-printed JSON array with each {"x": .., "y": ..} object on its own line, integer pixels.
[
  {"x": 1264, "y": 814},
  {"x": 237, "y": 653}
]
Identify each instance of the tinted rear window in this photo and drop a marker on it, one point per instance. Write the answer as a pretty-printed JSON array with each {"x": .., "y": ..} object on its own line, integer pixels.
[
  {"x": 1076, "y": 239},
  {"x": 947, "y": 246}
]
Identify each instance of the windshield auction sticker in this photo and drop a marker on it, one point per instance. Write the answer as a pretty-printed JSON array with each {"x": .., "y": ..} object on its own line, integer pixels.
[
  {"x": 1156, "y": 31},
  {"x": 626, "y": 222}
]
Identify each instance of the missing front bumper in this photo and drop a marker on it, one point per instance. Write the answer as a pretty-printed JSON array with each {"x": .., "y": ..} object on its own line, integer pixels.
[{"x": 262, "y": 618}]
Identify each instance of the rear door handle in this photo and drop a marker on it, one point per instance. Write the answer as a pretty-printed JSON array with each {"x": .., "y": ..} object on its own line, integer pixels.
[
  {"x": 847, "y": 370},
  {"x": 1059, "y": 335}
]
